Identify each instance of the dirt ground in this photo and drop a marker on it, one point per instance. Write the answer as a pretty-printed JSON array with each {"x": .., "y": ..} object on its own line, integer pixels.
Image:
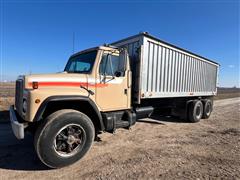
[{"x": 155, "y": 148}]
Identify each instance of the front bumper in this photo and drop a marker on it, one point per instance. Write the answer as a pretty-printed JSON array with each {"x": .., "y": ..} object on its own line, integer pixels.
[{"x": 17, "y": 127}]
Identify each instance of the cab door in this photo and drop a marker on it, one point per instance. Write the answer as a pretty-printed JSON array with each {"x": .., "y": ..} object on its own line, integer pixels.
[{"x": 113, "y": 77}]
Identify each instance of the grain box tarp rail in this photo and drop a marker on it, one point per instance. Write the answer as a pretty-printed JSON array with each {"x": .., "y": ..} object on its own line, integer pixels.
[{"x": 164, "y": 70}]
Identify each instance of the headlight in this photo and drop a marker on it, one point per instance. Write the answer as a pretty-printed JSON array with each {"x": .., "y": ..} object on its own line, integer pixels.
[{"x": 24, "y": 106}]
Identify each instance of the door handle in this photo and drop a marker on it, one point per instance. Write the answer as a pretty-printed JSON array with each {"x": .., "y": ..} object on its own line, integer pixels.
[{"x": 125, "y": 91}]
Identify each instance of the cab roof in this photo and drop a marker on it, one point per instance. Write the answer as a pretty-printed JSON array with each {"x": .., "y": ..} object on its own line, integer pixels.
[{"x": 103, "y": 47}]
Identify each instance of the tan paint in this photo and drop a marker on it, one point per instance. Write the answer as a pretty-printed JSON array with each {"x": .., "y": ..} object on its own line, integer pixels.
[
  {"x": 113, "y": 96},
  {"x": 109, "y": 97}
]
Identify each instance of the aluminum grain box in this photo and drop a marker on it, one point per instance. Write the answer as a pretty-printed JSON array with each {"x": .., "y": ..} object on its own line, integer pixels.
[{"x": 162, "y": 70}]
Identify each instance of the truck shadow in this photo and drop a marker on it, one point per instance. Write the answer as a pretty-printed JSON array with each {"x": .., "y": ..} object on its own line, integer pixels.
[
  {"x": 15, "y": 154},
  {"x": 161, "y": 119},
  {"x": 20, "y": 154}
]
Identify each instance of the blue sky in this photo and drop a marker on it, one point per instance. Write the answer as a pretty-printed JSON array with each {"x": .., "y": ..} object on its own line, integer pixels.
[{"x": 36, "y": 36}]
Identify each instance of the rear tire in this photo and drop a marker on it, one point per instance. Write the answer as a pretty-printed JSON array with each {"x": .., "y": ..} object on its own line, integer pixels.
[
  {"x": 195, "y": 111},
  {"x": 207, "y": 108},
  {"x": 63, "y": 138}
]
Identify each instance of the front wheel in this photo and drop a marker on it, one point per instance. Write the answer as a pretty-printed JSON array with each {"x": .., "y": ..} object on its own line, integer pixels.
[{"x": 64, "y": 137}]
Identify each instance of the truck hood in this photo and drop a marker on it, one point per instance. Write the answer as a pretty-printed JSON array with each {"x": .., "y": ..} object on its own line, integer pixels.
[{"x": 58, "y": 80}]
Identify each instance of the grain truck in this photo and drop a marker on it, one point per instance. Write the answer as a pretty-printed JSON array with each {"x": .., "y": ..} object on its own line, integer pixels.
[{"x": 108, "y": 87}]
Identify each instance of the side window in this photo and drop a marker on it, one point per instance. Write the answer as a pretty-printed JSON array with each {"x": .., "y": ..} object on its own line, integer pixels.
[
  {"x": 105, "y": 66},
  {"x": 112, "y": 64}
]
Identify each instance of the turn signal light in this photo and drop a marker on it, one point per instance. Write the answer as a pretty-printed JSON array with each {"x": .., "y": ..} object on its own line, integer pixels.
[
  {"x": 37, "y": 101},
  {"x": 35, "y": 85}
]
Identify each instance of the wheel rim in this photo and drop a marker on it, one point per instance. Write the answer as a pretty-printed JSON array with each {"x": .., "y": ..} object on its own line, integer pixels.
[
  {"x": 69, "y": 140},
  {"x": 198, "y": 112}
]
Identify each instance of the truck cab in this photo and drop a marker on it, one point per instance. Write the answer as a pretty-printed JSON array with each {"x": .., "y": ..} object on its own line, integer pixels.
[{"x": 95, "y": 86}]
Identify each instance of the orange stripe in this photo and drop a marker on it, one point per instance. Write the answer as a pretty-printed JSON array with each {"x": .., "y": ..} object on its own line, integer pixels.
[{"x": 73, "y": 84}]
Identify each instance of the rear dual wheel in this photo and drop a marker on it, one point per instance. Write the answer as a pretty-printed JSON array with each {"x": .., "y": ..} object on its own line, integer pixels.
[
  {"x": 207, "y": 108},
  {"x": 199, "y": 110},
  {"x": 195, "y": 111}
]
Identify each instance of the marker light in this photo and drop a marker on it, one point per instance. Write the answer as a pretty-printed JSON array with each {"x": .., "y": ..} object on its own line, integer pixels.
[
  {"x": 37, "y": 101},
  {"x": 35, "y": 85}
]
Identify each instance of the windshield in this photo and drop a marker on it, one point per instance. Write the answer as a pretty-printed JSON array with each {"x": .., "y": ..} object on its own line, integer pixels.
[{"x": 82, "y": 63}]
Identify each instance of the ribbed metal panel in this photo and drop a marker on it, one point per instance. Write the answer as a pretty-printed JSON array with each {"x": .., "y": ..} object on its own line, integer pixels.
[
  {"x": 166, "y": 71},
  {"x": 171, "y": 72}
]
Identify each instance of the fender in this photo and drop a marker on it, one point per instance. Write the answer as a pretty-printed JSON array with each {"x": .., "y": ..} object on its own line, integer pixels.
[{"x": 44, "y": 104}]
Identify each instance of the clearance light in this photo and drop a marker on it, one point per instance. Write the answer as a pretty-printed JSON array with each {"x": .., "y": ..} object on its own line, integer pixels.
[
  {"x": 35, "y": 85},
  {"x": 37, "y": 101}
]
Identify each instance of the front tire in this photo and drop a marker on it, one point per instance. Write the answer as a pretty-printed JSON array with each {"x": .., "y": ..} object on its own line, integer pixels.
[{"x": 64, "y": 137}]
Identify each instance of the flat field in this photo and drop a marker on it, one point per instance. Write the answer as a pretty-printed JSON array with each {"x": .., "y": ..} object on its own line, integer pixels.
[
  {"x": 155, "y": 148},
  {"x": 7, "y": 92}
]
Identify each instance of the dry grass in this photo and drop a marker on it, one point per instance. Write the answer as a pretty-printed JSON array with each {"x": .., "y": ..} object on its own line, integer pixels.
[
  {"x": 155, "y": 148},
  {"x": 7, "y": 89},
  {"x": 7, "y": 92},
  {"x": 225, "y": 93}
]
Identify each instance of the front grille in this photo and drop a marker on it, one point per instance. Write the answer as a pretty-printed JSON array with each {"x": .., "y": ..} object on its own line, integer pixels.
[{"x": 19, "y": 95}]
